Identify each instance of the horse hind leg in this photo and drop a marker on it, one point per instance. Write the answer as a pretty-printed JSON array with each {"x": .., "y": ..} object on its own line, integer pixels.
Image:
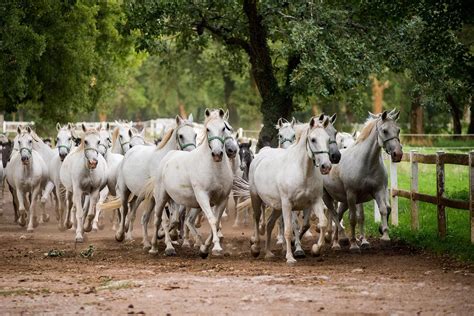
[
  {"x": 32, "y": 210},
  {"x": 274, "y": 215},
  {"x": 149, "y": 205},
  {"x": 257, "y": 209},
  {"x": 286, "y": 210},
  {"x": 364, "y": 244},
  {"x": 131, "y": 217},
  {"x": 299, "y": 252},
  {"x": 21, "y": 207},
  {"x": 281, "y": 228}
]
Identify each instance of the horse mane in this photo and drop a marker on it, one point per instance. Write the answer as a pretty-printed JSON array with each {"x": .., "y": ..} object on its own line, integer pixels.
[
  {"x": 367, "y": 129},
  {"x": 166, "y": 138},
  {"x": 299, "y": 129},
  {"x": 115, "y": 136}
]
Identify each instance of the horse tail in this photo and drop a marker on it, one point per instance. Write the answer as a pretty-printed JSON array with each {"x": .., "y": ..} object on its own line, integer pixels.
[
  {"x": 147, "y": 191},
  {"x": 241, "y": 190},
  {"x": 113, "y": 204}
]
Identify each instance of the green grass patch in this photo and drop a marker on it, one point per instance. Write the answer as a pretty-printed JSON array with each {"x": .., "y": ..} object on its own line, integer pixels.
[{"x": 457, "y": 242}]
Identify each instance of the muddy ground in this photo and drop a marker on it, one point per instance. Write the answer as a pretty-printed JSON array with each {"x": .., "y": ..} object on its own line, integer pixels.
[{"x": 121, "y": 278}]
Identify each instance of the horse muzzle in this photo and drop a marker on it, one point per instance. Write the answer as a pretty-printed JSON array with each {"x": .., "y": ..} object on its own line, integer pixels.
[
  {"x": 217, "y": 157},
  {"x": 325, "y": 168},
  {"x": 92, "y": 163},
  {"x": 25, "y": 160},
  {"x": 396, "y": 155},
  {"x": 231, "y": 153},
  {"x": 62, "y": 156}
]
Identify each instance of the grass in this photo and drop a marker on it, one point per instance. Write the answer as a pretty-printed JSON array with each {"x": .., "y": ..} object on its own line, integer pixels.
[{"x": 457, "y": 242}]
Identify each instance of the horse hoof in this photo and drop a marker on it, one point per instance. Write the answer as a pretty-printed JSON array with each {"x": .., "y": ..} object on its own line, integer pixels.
[
  {"x": 328, "y": 238},
  {"x": 364, "y": 245},
  {"x": 385, "y": 238},
  {"x": 119, "y": 236},
  {"x": 336, "y": 247},
  {"x": 174, "y": 235},
  {"x": 203, "y": 255},
  {"x": 68, "y": 225},
  {"x": 291, "y": 261},
  {"x": 344, "y": 241},
  {"x": 269, "y": 255},
  {"x": 255, "y": 250},
  {"x": 45, "y": 218},
  {"x": 217, "y": 252},
  {"x": 252, "y": 240},
  {"x": 299, "y": 253},
  {"x": 100, "y": 225},
  {"x": 170, "y": 252},
  {"x": 354, "y": 248},
  {"x": 186, "y": 244},
  {"x": 316, "y": 250},
  {"x": 61, "y": 228},
  {"x": 87, "y": 227},
  {"x": 80, "y": 239},
  {"x": 153, "y": 251},
  {"x": 29, "y": 230}
]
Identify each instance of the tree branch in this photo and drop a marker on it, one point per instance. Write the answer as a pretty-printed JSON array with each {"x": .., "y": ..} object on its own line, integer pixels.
[{"x": 229, "y": 40}]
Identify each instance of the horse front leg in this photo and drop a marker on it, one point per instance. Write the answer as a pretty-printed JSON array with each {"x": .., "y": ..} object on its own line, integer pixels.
[
  {"x": 32, "y": 210},
  {"x": 98, "y": 223},
  {"x": 78, "y": 209},
  {"x": 131, "y": 217},
  {"x": 190, "y": 223},
  {"x": 351, "y": 201},
  {"x": 203, "y": 199},
  {"x": 299, "y": 252},
  {"x": 94, "y": 196},
  {"x": 257, "y": 210},
  {"x": 48, "y": 189},
  {"x": 149, "y": 205},
  {"x": 169, "y": 251},
  {"x": 21, "y": 206},
  {"x": 69, "y": 205},
  {"x": 160, "y": 198},
  {"x": 381, "y": 198},
  {"x": 318, "y": 210},
  {"x": 60, "y": 207},
  {"x": 286, "y": 210},
  {"x": 120, "y": 233}
]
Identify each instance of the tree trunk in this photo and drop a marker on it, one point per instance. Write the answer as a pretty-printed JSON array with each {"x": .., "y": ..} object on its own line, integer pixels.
[
  {"x": 456, "y": 114},
  {"x": 275, "y": 102},
  {"x": 229, "y": 88},
  {"x": 470, "y": 129},
  {"x": 416, "y": 116}
]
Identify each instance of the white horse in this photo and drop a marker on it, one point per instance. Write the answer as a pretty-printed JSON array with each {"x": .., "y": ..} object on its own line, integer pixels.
[
  {"x": 121, "y": 137},
  {"x": 345, "y": 140},
  {"x": 84, "y": 171},
  {"x": 361, "y": 176},
  {"x": 179, "y": 180},
  {"x": 140, "y": 164},
  {"x": 26, "y": 174},
  {"x": 291, "y": 179},
  {"x": 65, "y": 144}
]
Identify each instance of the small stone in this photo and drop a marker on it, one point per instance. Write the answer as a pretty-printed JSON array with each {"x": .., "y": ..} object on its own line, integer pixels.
[
  {"x": 130, "y": 306},
  {"x": 357, "y": 270}
]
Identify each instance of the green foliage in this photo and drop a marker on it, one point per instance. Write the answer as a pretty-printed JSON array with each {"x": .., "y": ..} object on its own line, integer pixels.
[{"x": 59, "y": 59}]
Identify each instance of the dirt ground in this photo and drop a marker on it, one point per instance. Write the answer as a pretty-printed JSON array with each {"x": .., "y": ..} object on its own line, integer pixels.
[{"x": 121, "y": 278}]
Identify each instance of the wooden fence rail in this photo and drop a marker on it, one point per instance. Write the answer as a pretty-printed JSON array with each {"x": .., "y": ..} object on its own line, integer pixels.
[{"x": 440, "y": 159}]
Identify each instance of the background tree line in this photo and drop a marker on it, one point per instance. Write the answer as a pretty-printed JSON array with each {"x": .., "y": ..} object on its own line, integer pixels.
[{"x": 74, "y": 60}]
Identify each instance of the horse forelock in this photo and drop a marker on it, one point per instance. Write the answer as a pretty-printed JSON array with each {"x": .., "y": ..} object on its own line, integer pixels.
[
  {"x": 87, "y": 133},
  {"x": 214, "y": 115},
  {"x": 301, "y": 128}
]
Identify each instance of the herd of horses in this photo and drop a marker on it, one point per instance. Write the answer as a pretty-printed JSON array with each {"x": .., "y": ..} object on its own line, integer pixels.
[{"x": 201, "y": 170}]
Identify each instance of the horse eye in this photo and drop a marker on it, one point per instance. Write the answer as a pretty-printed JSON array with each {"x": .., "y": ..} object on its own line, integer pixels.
[
  {"x": 86, "y": 142},
  {"x": 223, "y": 129},
  {"x": 313, "y": 140},
  {"x": 108, "y": 139},
  {"x": 57, "y": 139},
  {"x": 180, "y": 136},
  {"x": 208, "y": 130},
  {"x": 30, "y": 141}
]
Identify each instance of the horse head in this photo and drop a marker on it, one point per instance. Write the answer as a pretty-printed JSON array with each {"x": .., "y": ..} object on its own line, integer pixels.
[
  {"x": 230, "y": 142},
  {"x": 388, "y": 135},
  {"x": 246, "y": 156},
  {"x": 215, "y": 133},
  {"x": 105, "y": 138},
  {"x": 334, "y": 154},
  {"x": 185, "y": 133},
  {"x": 344, "y": 140},
  {"x": 25, "y": 144},
  {"x": 286, "y": 132},
  {"x": 317, "y": 144},
  {"x": 64, "y": 139},
  {"x": 90, "y": 146},
  {"x": 122, "y": 135}
]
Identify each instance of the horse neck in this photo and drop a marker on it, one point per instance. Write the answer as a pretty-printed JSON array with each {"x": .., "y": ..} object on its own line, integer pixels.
[
  {"x": 370, "y": 148},
  {"x": 299, "y": 155},
  {"x": 172, "y": 143}
]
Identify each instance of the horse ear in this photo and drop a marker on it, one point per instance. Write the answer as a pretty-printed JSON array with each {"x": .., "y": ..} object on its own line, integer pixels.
[
  {"x": 84, "y": 128},
  {"x": 58, "y": 126},
  {"x": 384, "y": 115},
  {"x": 226, "y": 115},
  {"x": 372, "y": 115},
  {"x": 18, "y": 129},
  {"x": 28, "y": 129},
  {"x": 190, "y": 118},
  {"x": 221, "y": 113},
  {"x": 395, "y": 116},
  {"x": 321, "y": 117},
  {"x": 207, "y": 112},
  {"x": 333, "y": 118},
  {"x": 250, "y": 143},
  {"x": 178, "y": 120},
  {"x": 326, "y": 122},
  {"x": 69, "y": 126},
  {"x": 279, "y": 123},
  {"x": 130, "y": 133},
  {"x": 312, "y": 122},
  {"x": 293, "y": 121},
  {"x": 142, "y": 132},
  {"x": 107, "y": 126}
]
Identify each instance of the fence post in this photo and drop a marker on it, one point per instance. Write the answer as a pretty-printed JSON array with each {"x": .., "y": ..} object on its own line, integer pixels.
[
  {"x": 440, "y": 193},
  {"x": 393, "y": 199},
  {"x": 415, "y": 225},
  {"x": 471, "y": 192}
]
